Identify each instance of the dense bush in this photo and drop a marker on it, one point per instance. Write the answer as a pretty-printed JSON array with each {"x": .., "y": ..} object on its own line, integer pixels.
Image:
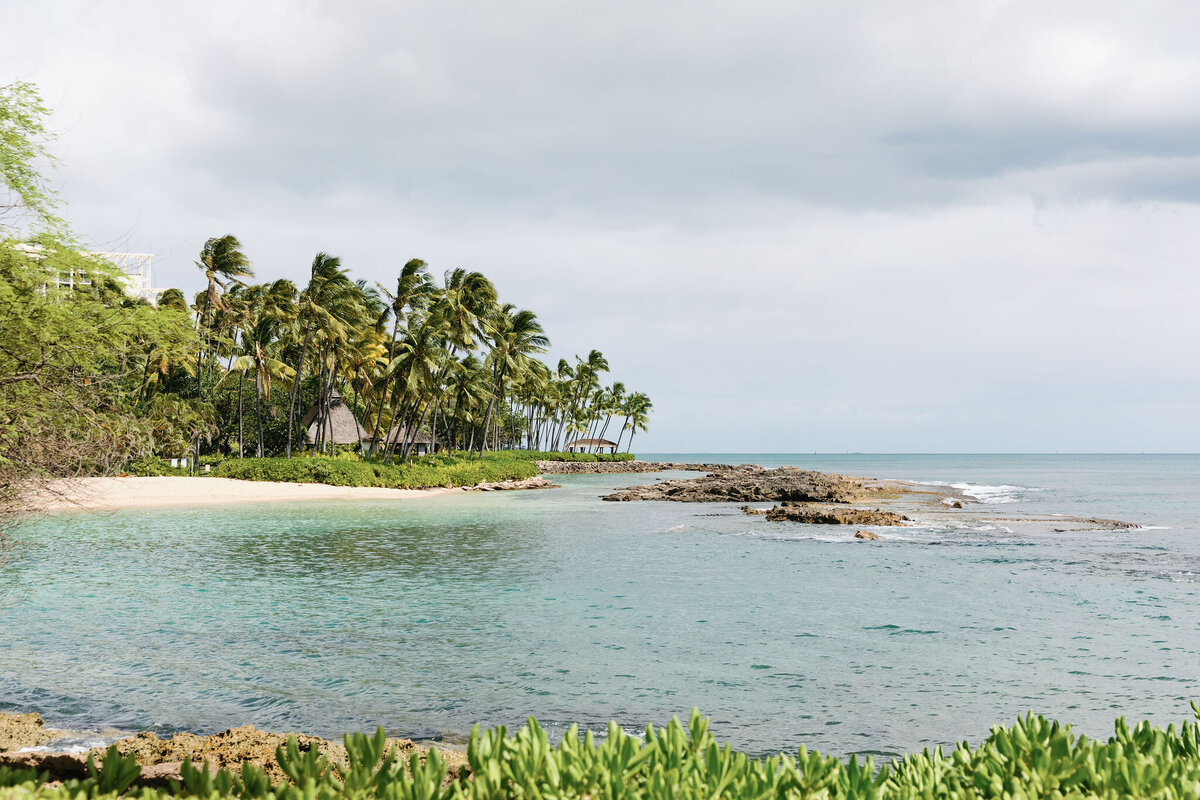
[
  {"x": 419, "y": 474},
  {"x": 1035, "y": 758}
]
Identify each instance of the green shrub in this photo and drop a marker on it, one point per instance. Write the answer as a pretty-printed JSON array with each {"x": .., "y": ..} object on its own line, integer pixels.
[
  {"x": 155, "y": 467},
  {"x": 1035, "y": 758},
  {"x": 544, "y": 455},
  {"x": 421, "y": 473}
]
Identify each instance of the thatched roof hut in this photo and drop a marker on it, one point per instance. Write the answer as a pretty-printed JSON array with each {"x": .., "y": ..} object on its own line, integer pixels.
[
  {"x": 341, "y": 426},
  {"x": 398, "y": 435}
]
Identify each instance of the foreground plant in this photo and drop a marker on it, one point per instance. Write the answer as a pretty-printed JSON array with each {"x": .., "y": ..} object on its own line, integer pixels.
[{"x": 1035, "y": 758}]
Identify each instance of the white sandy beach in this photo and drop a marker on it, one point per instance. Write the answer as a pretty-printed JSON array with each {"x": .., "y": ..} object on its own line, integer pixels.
[{"x": 112, "y": 494}]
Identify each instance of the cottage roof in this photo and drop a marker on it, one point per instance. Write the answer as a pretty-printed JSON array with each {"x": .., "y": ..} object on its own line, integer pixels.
[
  {"x": 399, "y": 434},
  {"x": 342, "y": 426},
  {"x": 591, "y": 443}
]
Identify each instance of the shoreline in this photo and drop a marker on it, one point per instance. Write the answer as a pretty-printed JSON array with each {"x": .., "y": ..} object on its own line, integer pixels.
[
  {"x": 135, "y": 492},
  {"x": 118, "y": 494},
  {"x": 26, "y": 743}
]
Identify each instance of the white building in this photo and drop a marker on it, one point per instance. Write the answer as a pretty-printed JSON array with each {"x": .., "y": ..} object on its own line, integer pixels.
[
  {"x": 591, "y": 446},
  {"x": 137, "y": 267}
]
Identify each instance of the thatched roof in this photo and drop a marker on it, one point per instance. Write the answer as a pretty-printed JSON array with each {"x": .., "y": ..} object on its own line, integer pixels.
[
  {"x": 591, "y": 443},
  {"x": 400, "y": 435},
  {"x": 341, "y": 423}
]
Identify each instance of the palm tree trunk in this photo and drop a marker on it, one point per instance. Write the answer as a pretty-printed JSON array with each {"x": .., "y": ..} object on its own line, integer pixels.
[
  {"x": 296, "y": 386},
  {"x": 258, "y": 411},
  {"x": 624, "y": 425},
  {"x": 200, "y": 354},
  {"x": 241, "y": 430}
]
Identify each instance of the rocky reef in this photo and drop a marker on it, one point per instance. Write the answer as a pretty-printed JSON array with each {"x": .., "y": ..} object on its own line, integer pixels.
[
  {"x": 18, "y": 731},
  {"x": 162, "y": 759},
  {"x": 750, "y": 484},
  {"x": 816, "y": 514},
  {"x": 509, "y": 486}
]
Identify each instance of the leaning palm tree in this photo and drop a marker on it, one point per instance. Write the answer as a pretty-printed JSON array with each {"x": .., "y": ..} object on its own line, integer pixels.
[
  {"x": 461, "y": 309},
  {"x": 327, "y": 283},
  {"x": 517, "y": 335},
  {"x": 414, "y": 290},
  {"x": 222, "y": 261},
  {"x": 258, "y": 361},
  {"x": 637, "y": 417}
]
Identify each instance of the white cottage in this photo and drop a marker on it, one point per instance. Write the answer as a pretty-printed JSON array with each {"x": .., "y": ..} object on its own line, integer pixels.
[{"x": 591, "y": 446}]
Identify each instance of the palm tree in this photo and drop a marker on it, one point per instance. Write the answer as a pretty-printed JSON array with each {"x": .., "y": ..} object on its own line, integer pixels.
[
  {"x": 418, "y": 360},
  {"x": 327, "y": 283},
  {"x": 616, "y": 399},
  {"x": 414, "y": 288},
  {"x": 517, "y": 335},
  {"x": 222, "y": 261},
  {"x": 264, "y": 367},
  {"x": 637, "y": 410},
  {"x": 174, "y": 300}
]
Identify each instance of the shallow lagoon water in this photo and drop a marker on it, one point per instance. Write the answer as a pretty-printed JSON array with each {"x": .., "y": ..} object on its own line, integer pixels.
[{"x": 429, "y": 615}]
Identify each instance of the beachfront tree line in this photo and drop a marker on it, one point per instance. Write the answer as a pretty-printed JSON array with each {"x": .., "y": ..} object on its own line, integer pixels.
[
  {"x": 91, "y": 379},
  {"x": 445, "y": 360}
]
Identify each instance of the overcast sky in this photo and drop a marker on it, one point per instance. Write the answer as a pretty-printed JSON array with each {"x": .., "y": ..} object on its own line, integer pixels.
[{"x": 834, "y": 226}]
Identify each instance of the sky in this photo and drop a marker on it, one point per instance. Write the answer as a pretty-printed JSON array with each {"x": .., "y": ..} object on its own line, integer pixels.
[{"x": 813, "y": 226}]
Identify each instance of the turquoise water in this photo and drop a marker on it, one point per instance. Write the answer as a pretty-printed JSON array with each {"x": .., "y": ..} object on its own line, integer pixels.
[{"x": 429, "y": 615}]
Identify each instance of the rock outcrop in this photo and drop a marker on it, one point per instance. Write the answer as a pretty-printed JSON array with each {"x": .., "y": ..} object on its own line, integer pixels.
[
  {"x": 749, "y": 484},
  {"x": 161, "y": 759},
  {"x": 870, "y": 536},
  {"x": 508, "y": 486},
  {"x": 18, "y": 731},
  {"x": 815, "y": 514}
]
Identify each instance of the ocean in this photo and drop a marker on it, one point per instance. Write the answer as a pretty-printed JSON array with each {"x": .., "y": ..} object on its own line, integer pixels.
[{"x": 430, "y": 615}]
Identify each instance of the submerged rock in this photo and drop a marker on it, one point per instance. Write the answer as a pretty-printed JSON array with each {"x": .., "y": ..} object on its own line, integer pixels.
[
  {"x": 749, "y": 483},
  {"x": 508, "y": 486},
  {"x": 834, "y": 515},
  {"x": 870, "y": 536}
]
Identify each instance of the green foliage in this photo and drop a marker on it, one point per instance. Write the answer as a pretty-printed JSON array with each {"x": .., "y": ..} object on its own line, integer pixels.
[
  {"x": 23, "y": 139},
  {"x": 541, "y": 455},
  {"x": 419, "y": 474},
  {"x": 115, "y": 775},
  {"x": 1035, "y": 758},
  {"x": 75, "y": 354},
  {"x": 153, "y": 466}
]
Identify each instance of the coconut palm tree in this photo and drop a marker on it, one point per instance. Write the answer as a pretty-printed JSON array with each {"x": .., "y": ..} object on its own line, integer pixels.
[
  {"x": 637, "y": 417},
  {"x": 414, "y": 290},
  {"x": 222, "y": 262},
  {"x": 327, "y": 283},
  {"x": 174, "y": 300},
  {"x": 516, "y": 337},
  {"x": 257, "y": 360}
]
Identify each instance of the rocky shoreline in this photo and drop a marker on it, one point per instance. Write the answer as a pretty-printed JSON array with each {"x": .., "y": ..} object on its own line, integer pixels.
[
  {"x": 819, "y": 498},
  {"x": 162, "y": 759}
]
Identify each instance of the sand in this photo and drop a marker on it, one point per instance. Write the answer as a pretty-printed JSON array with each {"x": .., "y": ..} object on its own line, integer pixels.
[{"x": 114, "y": 494}]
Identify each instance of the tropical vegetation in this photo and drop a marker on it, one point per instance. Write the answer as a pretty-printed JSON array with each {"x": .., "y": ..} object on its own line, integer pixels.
[
  {"x": 93, "y": 380},
  {"x": 442, "y": 359},
  {"x": 1034, "y": 758}
]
